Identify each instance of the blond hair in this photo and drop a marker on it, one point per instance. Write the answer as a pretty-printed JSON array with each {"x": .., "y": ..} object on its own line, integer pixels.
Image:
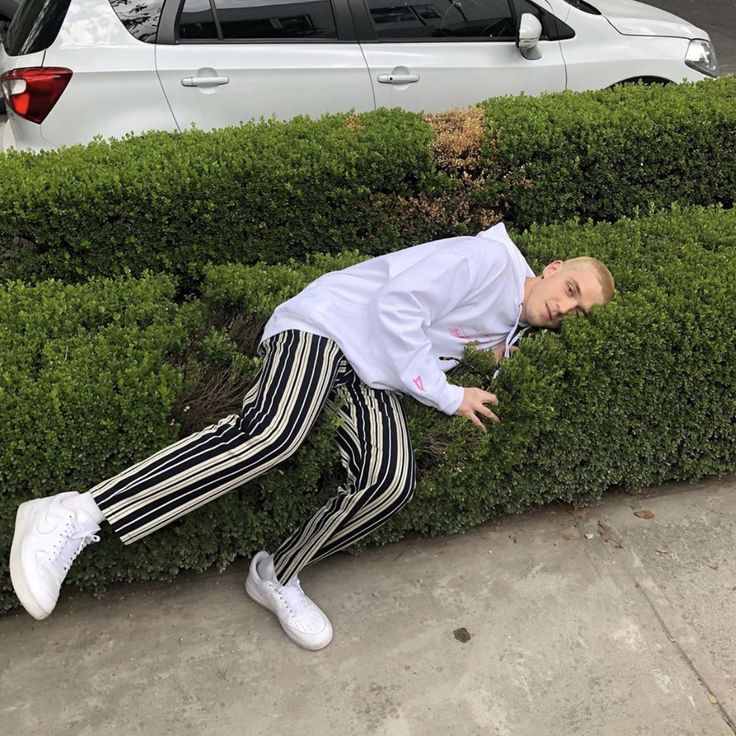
[{"x": 586, "y": 263}]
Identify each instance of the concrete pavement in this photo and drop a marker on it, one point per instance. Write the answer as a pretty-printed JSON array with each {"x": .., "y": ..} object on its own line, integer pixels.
[{"x": 555, "y": 623}]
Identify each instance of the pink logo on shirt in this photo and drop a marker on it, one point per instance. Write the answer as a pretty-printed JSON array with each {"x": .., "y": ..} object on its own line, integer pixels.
[
  {"x": 458, "y": 332},
  {"x": 417, "y": 381}
]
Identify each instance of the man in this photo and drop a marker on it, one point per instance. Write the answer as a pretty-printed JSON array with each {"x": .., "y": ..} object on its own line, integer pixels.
[{"x": 357, "y": 338}]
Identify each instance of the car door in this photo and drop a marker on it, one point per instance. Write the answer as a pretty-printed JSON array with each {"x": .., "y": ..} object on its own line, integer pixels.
[
  {"x": 225, "y": 61},
  {"x": 435, "y": 54}
]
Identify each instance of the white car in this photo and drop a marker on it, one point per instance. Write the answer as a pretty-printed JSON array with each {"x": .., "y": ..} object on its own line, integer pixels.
[{"x": 75, "y": 69}]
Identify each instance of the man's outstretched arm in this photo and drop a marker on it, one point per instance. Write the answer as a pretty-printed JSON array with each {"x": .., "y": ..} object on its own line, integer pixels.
[{"x": 402, "y": 311}]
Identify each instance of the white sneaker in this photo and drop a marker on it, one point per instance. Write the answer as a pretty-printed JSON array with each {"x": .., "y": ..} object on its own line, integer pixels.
[
  {"x": 47, "y": 539},
  {"x": 299, "y": 616}
]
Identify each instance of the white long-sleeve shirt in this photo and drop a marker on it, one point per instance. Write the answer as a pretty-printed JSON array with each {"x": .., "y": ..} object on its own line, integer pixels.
[{"x": 395, "y": 315}]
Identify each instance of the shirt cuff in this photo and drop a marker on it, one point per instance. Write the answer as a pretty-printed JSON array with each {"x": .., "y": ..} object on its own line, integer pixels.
[{"x": 452, "y": 399}]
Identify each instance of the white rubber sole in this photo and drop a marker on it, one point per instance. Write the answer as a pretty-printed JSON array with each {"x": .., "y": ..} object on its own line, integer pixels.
[
  {"x": 252, "y": 590},
  {"x": 23, "y": 520}
]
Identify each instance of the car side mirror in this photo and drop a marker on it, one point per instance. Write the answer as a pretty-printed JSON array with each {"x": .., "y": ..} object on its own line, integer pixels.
[{"x": 527, "y": 39}]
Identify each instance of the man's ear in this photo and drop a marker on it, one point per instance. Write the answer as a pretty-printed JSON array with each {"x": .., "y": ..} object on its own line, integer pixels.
[{"x": 551, "y": 268}]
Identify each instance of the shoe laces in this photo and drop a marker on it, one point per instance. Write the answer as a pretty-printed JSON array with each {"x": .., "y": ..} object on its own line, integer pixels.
[
  {"x": 74, "y": 538},
  {"x": 294, "y": 597}
]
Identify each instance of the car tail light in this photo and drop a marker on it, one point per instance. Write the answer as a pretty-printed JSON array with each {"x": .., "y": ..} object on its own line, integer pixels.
[{"x": 32, "y": 92}]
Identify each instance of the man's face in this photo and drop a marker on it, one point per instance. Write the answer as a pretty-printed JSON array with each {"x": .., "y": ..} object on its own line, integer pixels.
[{"x": 560, "y": 293}]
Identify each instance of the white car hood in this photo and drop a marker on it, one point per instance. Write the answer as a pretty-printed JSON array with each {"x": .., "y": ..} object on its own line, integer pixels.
[{"x": 637, "y": 19}]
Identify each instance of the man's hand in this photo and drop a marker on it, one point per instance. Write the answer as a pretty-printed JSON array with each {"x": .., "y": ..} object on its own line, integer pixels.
[{"x": 474, "y": 403}]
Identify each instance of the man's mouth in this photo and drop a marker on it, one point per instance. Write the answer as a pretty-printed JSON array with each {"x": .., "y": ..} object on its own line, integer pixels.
[{"x": 549, "y": 314}]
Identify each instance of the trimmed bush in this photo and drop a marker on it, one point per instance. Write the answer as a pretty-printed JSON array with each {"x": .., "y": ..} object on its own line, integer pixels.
[
  {"x": 612, "y": 153},
  {"x": 376, "y": 181},
  {"x": 170, "y": 202},
  {"x": 99, "y": 375}
]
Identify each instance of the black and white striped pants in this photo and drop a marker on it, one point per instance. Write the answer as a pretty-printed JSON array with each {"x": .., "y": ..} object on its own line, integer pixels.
[{"x": 300, "y": 373}]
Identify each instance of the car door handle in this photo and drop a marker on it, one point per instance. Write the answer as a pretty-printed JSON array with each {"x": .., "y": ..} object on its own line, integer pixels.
[
  {"x": 204, "y": 81},
  {"x": 398, "y": 78}
]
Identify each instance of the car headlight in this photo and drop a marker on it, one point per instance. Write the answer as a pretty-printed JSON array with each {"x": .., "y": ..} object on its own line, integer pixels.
[{"x": 702, "y": 56}]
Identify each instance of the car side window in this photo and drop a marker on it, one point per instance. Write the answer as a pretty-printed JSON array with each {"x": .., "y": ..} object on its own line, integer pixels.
[
  {"x": 139, "y": 18},
  {"x": 197, "y": 21},
  {"x": 442, "y": 19},
  {"x": 255, "y": 19}
]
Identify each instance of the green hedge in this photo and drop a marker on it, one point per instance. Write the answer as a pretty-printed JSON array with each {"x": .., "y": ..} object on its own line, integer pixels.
[
  {"x": 606, "y": 154},
  {"x": 99, "y": 375},
  {"x": 172, "y": 202},
  {"x": 376, "y": 181}
]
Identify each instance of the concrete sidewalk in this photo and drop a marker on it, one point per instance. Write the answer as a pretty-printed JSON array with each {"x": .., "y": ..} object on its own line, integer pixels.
[{"x": 596, "y": 622}]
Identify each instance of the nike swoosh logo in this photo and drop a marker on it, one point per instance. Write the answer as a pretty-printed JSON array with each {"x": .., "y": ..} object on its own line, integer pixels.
[{"x": 47, "y": 524}]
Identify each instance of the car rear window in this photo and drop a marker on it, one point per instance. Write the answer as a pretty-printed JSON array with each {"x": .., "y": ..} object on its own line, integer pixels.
[{"x": 35, "y": 26}]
